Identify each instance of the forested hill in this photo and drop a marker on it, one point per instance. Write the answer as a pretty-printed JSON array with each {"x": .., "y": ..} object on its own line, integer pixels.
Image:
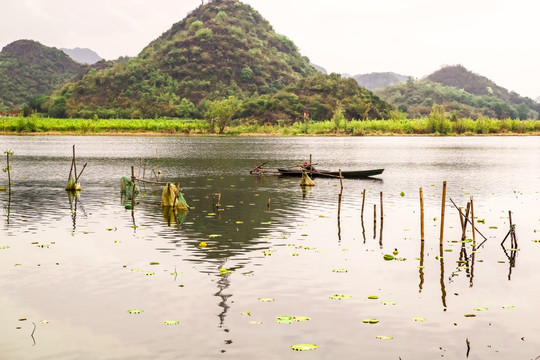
[
  {"x": 221, "y": 49},
  {"x": 29, "y": 69},
  {"x": 461, "y": 92}
]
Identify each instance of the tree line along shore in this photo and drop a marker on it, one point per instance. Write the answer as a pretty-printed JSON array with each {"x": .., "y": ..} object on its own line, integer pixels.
[{"x": 435, "y": 124}]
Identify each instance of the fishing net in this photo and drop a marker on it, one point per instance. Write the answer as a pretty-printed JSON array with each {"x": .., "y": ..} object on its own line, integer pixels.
[
  {"x": 171, "y": 196},
  {"x": 306, "y": 180},
  {"x": 72, "y": 185},
  {"x": 127, "y": 188}
]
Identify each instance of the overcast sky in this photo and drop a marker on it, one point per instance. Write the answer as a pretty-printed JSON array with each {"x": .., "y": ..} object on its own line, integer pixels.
[{"x": 494, "y": 38}]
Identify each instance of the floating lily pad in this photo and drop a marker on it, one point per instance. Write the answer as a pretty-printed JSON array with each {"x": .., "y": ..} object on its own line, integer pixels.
[
  {"x": 301, "y": 318},
  {"x": 304, "y": 347},
  {"x": 256, "y": 322},
  {"x": 214, "y": 236},
  {"x": 340, "y": 270},
  {"x": 340, "y": 297},
  {"x": 419, "y": 319},
  {"x": 284, "y": 320},
  {"x": 154, "y": 263},
  {"x": 264, "y": 299},
  {"x": 373, "y": 297},
  {"x": 4, "y": 247},
  {"x": 239, "y": 222},
  {"x": 172, "y": 322},
  {"x": 248, "y": 313},
  {"x": 383, "y": 337},
  {"x": 470, "y": 315},
  {"x": 389, "y": 302},
  {"x": 508, "y": 307},
  {"x": 135, "y": 311},
  {"x": 388, "y": 257},
  {"x": 370, "y": 321},
  {"x": 202, "y": 244},
  {"x": 481, "y": 309},
  {"x": 402, "y": 193},
  {"x": 225, "y": 271}
]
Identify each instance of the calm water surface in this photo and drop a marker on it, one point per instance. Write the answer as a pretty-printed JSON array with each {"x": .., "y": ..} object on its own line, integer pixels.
[{"x": 72, "y": 267}]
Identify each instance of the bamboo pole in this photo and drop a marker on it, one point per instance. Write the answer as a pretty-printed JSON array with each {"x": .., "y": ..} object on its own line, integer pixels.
[
  {"x": 74, "y": 162},
  {"x": 442, "y": 212},
  {"x": 381, "y": 208},
  {"x": 464, "y": 221},
  {"x": 363, "y": 201},
  {"x": 133, "y": 188},
  {"x": 472, "y": 222},
  {"x": 8, "y": 169},
  {"x": 268, "y": 204},
  {"x": 421, "y": 215},
  {"x": 339, "y": 198}
]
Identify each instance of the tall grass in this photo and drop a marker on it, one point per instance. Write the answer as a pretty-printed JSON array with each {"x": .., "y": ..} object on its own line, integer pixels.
[{"x": 434, "y": 124}]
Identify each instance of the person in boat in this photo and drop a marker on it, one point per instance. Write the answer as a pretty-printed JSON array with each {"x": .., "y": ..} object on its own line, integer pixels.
[
  {"x": 257, "y": 170},
  {"x": 308, "y": 167}
]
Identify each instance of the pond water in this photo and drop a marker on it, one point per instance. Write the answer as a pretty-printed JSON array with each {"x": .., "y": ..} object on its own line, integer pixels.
[{"x": 71, "y": 267}]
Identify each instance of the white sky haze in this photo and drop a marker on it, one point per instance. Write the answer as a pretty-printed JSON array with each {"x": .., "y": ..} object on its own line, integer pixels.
[{"x": 494, "y": 38}]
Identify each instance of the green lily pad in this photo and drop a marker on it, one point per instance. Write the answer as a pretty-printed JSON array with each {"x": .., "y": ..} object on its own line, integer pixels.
[
  {"x": 470, "y": 315},
  {"x": 154, "y": 263},
  {"x": 373, "y": 297},
  {"x": 383, "y": 337},
  {"x": 4, "y": 247},
  {"x": 284, "y": 320},
  {"x": 370, "y": 321},
  {"x": 420, "y": 319},
  {"x": 172, "y": 322},
  {"x": 223, "y": 271},
  {"x": 481, "y": 309},
  {"x": 340, "y": 297},
  {"x": 264, "y": 299},
  {"x": 402, "y": 193},
  {"x": 248, "y": 313},
  {"x": 214, "y": 236},
  {"x": 340, "y": 270},
  {"x": 389, "y": 302},
  {"x": 301, "y": 318},
  {"x": 508, "y": 307},
  {"x": 304, "y": 347},
  {"x": 135, "y": 311},
  {"x": 388, "y": 257}
]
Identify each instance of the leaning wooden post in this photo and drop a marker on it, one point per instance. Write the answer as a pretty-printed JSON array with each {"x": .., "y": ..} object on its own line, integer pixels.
[
  {"x": 363, "y": 201},
  {"x": 268, "y": 204},
  {"x": 341, "y": 180},
  {"x": 421, "y": 215},
  {"x": 381, "y": 208},
  {"x": 133, "y": 189},
  {"x": 442, "y": 212},
  {"x": 340, "y": 195},
  {"x": 310, "y": 166},
  {"x": 472, "y": 223},
  {"x": 74, "y": 162},
  {"x": 8, "y": 168},
  {"x": 465, "y": 219}
]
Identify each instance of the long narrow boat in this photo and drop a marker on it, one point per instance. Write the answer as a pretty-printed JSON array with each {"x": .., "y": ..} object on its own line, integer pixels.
[{"x": 354, "y": 174}]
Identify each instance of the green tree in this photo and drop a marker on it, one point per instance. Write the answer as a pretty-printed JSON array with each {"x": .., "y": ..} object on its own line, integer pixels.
[{"x": 221, "y": 112}]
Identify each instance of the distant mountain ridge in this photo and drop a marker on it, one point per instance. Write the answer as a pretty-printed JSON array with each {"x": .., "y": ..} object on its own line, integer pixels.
[
  {"x": 462, "y": 92},
  {"x": 83, "y": 55},
  {"x": 29, "y": 69},
  {"x": 379, "y": 80}
]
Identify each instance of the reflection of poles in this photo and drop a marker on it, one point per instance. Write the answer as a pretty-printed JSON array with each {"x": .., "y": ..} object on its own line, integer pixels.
[
  {"x": 223, "y": 284},
  {"x": 443, "y": 288},
  {"x": 380, "y": 234},
  {"x": 339, "y": 204},
  {"x": 421, "y": 267},
  {"x": 73, "y": 200},
  {"x": 374, "y": 221},
  {"x": 133, "y": 198},
  {"x": 362, "y": 215},
  {"x": 421, "y": 216},
  {"x": 472, "y": 223},
  {"x": 511, "y": 233},
  {"x": 473, "y": 254}
]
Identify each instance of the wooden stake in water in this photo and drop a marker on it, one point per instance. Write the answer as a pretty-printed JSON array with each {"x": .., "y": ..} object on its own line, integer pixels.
[
  {"x": 268, "y": 204},
  {"x": 442, "y": 212},
  {"x": 472, "y": 223},
  {"x": 363, "y": 201},
  {"x": 381, "y": 208},
  {"x": 133, "y": 189},
  {"x": 421, "y": 215}
]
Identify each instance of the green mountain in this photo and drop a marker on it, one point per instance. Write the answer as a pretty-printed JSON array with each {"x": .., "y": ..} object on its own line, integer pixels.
[
  {"x": 379, "y": 80},
  {"x": 221, "y": 49},
  {"x": 29, "y": 69},
  {"x": 461, "y": 92}
]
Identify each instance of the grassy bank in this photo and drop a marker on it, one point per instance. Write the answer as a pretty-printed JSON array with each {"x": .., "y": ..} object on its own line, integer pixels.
[{"x": 425, "y": 126}]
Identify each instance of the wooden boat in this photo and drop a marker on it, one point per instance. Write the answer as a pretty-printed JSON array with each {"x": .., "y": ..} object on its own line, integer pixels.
[{"x": 353, "y": 174}]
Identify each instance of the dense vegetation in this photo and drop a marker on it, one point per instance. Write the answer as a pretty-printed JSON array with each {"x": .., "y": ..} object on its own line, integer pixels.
[
  {"x": 435, "y": 124},
  {"x": 29, "y": 70},
  {"x": 416, "y": 98},
  {"x": 222, "y": 49}
]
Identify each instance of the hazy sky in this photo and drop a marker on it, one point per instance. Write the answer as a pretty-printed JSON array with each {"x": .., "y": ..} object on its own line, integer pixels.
[{"x": 494, "y": 38}]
